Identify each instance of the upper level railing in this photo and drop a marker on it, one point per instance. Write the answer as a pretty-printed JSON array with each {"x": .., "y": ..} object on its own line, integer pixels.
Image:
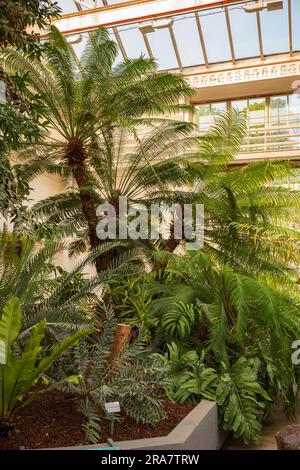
[
  {"x": 278, "y": 132},
  {"x": 281, "y": 133}
]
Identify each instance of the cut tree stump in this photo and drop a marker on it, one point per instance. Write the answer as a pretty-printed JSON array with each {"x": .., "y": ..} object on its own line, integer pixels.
[
  {"x": 288, "y": 438},
  {"x": 121, "y": 338}
]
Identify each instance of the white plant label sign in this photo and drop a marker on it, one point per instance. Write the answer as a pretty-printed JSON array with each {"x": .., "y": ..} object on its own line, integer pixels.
[{"x": 112, "y": 407}]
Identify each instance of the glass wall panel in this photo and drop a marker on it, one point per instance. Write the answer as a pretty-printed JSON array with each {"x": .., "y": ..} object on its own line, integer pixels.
[
  {"x": 294, "y": 109},
  {"x": 218, "y": 108},
  {"x": 257, "y": 112},
  {"x": 278, "y": 110},
  {"x": 273, "y": 123},
  {"x": 205, "y": 114},
  {"x": 240, "y": 105},
  {"x": 257, "y": 122}
]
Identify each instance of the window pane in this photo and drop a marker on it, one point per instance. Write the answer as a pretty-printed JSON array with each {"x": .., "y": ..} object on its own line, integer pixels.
[
  {"x": 256, "y": 112},
  {"x": 67, "y": 6},
  {"x": 203, "y": 116},
  {"x": 239, "y": 105},
  {"x": 296, "y": 24},
  {"x": 79, "y": 47},
  {"x": 217, "y": 108},
  {"x": 275, "y": 30},
  {"x": 215, "y": 33},
  {"x": 188, "y": 41},
  {"x": 294, "y": 109},
  {"x": 245, "y": 43},
  {"x": 278, "y": 110},
  {"x": 133, "y": 41},
  {"x": 256, "y": 122},
  {"x": 162, "y": 48}
]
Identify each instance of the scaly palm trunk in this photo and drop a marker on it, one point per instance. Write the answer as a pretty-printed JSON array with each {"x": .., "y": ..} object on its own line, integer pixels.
[{"x": 76, "y": 158}]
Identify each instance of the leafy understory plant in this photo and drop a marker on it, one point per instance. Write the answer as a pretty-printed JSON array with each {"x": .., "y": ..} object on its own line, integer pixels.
[
  {"x": 23, "y": 365},
  {"x": 134, "y": 379},
  {"x": 235, "y": 388}
]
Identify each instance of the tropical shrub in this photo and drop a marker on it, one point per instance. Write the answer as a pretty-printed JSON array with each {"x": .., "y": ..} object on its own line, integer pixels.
[
  {"x": 132, "y": 303},
  {"x": 24, "y": 361},
  {"x": 235, "y": 388},
  {"x": 201, "y": 306},
  {"x": 134, "y": 378},
  {"x": 239, "y": 312},
  {"x": 20, "y": 122},
  {"x": 18, "y": 15},
  {"x": 68, "y": 300},
  {"x": 250, "y": 215}
]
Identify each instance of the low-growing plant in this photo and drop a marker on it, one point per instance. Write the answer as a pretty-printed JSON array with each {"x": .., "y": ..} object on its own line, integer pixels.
[
  {"x": 135, "y": 379},
  {"x": 132, "y": 303},
  {"x": 24, "y": 362},
  {"x": 235, "y": 388},
  {"x": 67, "y": 300}
]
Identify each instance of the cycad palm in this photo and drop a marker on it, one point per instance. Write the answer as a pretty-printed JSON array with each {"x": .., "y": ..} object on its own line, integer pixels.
[
  {"x": 93, "y": 97},
  {"x": 142, "y": 176},
  {"x": 249, "y": 215},
  {"x": 66, "y": 300},
  {"x": 227, "y": 313}
]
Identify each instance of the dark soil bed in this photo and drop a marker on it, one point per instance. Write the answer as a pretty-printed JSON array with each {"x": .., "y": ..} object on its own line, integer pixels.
[{"x": 52, "y": 421}]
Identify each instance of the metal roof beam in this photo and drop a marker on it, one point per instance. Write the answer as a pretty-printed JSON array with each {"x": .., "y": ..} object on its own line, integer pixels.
[
  {"x": 174, "y": 42},
  {"x": 117, "y": 36},
  {"x": 133, "y": 11},
  {"x": 260, "y": 40},
  {"x": 147, "y": 44},
  {"x": 202, "y": 40},
  {"x": 290, "y": 26},
  {"x": 230, "y": 35}
]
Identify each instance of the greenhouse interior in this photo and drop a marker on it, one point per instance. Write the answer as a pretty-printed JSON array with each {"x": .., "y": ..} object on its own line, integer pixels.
[{"x": 149, "y": 226}]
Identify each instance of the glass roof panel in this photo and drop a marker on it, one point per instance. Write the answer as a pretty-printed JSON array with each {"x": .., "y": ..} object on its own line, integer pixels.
[
  {"x": 162, "y": 48},
  {"x": 111, "y": 2},
  {"x": 296, "y": 24},
  {"x": 275, "y": 30},
  {"x": 133, "y": 41},
  {"x": 274, "y": 25},
  {"x": 79, "y": 47},
  {"x": 188, "y": 41},
  {"x": 215, "y": 33},
  {"x": 244, "y": 33},
  {"x": 67, "y": 6}
]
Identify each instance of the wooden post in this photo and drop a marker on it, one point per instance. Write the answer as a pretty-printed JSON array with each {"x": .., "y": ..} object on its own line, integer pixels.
[{"x": 121, "y": 338}]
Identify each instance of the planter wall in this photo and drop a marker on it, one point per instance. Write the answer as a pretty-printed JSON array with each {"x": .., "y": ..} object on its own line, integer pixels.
[{"x": 199, "y": 430}]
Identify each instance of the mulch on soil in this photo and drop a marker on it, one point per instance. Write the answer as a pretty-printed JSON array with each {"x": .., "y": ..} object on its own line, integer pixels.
[{"x": 52, "y": 421}]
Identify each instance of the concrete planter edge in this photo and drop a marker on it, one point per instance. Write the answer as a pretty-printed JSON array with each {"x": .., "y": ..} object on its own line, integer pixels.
[{"x": 199, "y": 430}]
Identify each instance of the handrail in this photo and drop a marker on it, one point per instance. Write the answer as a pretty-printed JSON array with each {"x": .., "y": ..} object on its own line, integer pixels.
[{"x": 264, "y": 135}]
